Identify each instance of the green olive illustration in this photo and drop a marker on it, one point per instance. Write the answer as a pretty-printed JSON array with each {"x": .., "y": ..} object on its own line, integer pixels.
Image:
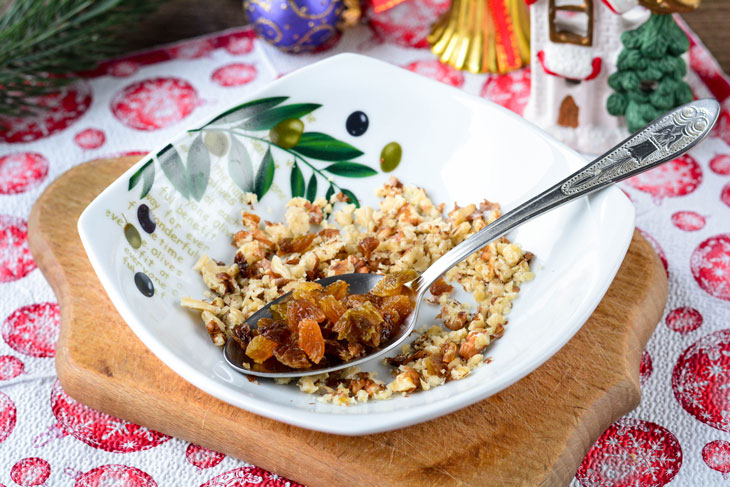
[
  {"x": 132, "y": 235},
  {"x": 286, "y": 134},
  {"x": 217, "y": 143},
  {"x": 390, "y": 156}
]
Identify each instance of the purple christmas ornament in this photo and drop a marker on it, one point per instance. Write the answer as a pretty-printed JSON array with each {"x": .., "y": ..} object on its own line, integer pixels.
[{"x": 294, "y": 25}]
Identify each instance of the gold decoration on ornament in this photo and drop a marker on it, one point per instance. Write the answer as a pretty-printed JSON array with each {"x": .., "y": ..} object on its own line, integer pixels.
[
  {"x": 670, "y": 6},
  {"x": 483, "y": 35},
  {"x": 351, "y": 15}
]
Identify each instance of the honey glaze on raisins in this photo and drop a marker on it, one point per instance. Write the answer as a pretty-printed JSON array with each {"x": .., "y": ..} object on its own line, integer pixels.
[{"x": 325, "y": 326}]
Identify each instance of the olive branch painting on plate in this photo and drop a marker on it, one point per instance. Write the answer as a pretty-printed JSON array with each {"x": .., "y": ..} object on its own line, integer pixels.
[{"x": 286, "y": 137}]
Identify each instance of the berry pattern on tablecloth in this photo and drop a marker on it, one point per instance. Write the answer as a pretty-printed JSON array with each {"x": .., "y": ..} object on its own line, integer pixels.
[
  {"x": 10, "y": 367},
  {"x": 511, "y": 90},
  {"x": 689, "y": 221},
  {"x": 700, "y": 380},
  {"x": 15, "y": 259},
  {"x": 22, "y": 171},
  {"x": 720, "y": 164},
  {"x": 33, "y": 329},
  {"x": 154, "y": 103},
  {"x": 245, "y": 476},
  {"x": 202, "y": 457},
  {"x": 97, "y": 429},
  {"x": 234, "y": 74},
  {"x": 90, "y": 138},
  {"x": 632, "y": 452},
  {"x": 437, "y": 71},
  {"x": 30, "y": 471},
  {"x": 716, "y": 455},
  {"x": 8, "y": 416},
  {"x": 678, "y": 436},
  {"x": 684, "y": 320},
  {"x": 710, "y": 265},
  {"x": 62, "y": 110},
  {"x": 112, "y": 476},
  {"x": 679, "y": 177}
]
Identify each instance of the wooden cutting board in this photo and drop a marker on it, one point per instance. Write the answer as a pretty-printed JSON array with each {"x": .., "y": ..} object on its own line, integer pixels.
[{"x": 535, "y": 432}]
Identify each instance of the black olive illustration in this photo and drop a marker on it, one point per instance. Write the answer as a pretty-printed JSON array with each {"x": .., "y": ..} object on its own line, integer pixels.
[
  {"x": 144, "y": 284},
  {"x": 146, "y": 218},
  {"x": 357, "y": 123},
  {"x": 132, "y": 235}
]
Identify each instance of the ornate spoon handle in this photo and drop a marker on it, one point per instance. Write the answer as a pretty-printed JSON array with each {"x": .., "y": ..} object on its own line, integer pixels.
[{"x": 664, "y": 139}]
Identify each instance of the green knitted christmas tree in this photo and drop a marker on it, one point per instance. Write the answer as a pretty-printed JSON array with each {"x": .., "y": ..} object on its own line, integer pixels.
[{"x": 649, "y": 80}]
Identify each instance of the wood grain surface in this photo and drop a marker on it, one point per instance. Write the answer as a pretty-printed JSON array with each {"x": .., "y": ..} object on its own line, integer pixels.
[
  {"x": 535, "y": 432},
  {"x": 181, "y": 19}
]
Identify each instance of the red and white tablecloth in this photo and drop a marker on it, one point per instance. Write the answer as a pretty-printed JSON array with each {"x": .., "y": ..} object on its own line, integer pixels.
[{"x": 680, "y": 433}]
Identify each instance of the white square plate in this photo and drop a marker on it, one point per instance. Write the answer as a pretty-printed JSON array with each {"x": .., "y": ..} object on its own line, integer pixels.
[{"x": 459, "y": 148}]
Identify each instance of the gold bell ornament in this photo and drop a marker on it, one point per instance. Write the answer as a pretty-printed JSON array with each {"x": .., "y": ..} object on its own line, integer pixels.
[{"x": 483, "y": 35}]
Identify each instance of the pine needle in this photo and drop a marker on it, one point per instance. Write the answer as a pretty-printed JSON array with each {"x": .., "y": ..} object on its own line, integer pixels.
[{"x": 44, "y": 43}]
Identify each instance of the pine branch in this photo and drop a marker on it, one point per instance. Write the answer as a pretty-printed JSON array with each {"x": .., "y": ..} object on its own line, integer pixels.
[{"x": 43, "y": 43}]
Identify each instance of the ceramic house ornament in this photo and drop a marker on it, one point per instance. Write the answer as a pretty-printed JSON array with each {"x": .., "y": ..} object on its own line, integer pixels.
[{"x": 575, "y": 45}]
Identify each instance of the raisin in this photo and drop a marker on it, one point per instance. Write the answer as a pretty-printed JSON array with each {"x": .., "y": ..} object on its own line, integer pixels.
[
  {"x": 368, "y": 245},
  {"x": 291, "y": 355},
  {"x": 242, "y": 264},
  {"x": 299, "y": 309},
  {"x": 332, "y": 308},
  {"x": 275, "y": 330},
  {"x": 242, "y": 334},
  {"x": 440, "y": 287},
  {"x": 360, "y": 325},
  {"x": 278, "y": 311},
  {"x": 309, "y": 291},
  {"x": 337, "y": 289},
  {"x": 314, "y": 273},
  {"x": 355, "y": 300},
  {"x": 400, "y": 304},
  {"x": 227, "y": 281},
  {"x": 310, "y": 340},
  {"x": 296, "y": 245},
  {"x": 260, "y": 349},
  {"x": 391, "y": 284}
]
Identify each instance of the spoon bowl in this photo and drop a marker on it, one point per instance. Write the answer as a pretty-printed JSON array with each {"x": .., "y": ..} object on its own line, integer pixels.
[{"x": 358, "y": 284}]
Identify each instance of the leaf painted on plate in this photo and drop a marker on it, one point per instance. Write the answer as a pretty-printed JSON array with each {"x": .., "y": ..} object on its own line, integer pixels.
[
  {"x": 325, "y": 148},
  {"x": 240, "y": 167},
  {"x": 296, "y": 179},
  {"x": 329, "y": 193},
  {"x": 173, "y": 167},
  {"x": 351, "y": 195},
  {"x": 138, "y": 175},
  {"x": 264, "y": 175},
  {"x": 246, "y": 110},
  {"x": 149, "y": 178},
  {"x": 351, "y": 170},
  {"x": 198, "y": 168},
  {"x": 269, "y": 118},
  {"x": 312, "y": 188}
]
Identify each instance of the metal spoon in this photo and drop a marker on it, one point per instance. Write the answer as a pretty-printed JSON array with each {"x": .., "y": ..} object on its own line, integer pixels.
[{"x": 664, "y": 139}]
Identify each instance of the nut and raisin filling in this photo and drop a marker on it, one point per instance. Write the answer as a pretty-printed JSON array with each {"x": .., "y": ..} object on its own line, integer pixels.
[
  {"x": 320, "y": 326},
  {"x": 323, "y": 238}
]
